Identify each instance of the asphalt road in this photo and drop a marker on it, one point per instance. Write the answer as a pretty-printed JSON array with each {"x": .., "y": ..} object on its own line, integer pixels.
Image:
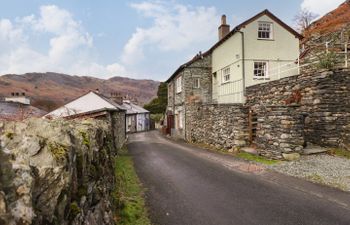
[{"x": 186, "y": 185}]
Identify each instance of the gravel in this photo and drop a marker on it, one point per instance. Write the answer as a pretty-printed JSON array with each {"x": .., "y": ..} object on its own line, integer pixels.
[{"x": 325, "y": 169}]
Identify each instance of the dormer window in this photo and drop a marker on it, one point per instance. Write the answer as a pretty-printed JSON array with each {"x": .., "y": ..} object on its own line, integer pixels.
[{"x": 265, "y": 30}]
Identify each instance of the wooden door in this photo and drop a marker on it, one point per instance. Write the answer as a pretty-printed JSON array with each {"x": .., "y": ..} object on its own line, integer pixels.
[{"x": 170, "y": 123}]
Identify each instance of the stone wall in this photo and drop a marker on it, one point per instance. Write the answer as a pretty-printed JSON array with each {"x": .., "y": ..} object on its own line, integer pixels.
[
  {"x": 279, "y": 130},
  {"x": 177, "y": 102},
  {"x": 220, "y": 126},
  {"x": 323, "y": 96},
  {"x": 57, "y": 172},
  {"x": 118, "y": 124}
]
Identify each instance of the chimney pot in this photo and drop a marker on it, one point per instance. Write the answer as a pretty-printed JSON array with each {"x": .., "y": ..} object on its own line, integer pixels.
[{"x": 223, "y": 20}]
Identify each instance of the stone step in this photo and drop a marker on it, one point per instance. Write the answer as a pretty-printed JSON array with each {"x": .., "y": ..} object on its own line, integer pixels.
[{"x": 313, "y": 149}]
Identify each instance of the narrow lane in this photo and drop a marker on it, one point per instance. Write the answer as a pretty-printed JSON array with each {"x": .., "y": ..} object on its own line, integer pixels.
[{"x": 189, "y": 186}]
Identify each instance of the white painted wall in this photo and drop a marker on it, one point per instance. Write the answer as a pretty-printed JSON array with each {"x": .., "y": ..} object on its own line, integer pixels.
[
  {"x": 143, "y": 122},
  {"x": 21, "y": 99},
  {"x": 86, "y": 103}
]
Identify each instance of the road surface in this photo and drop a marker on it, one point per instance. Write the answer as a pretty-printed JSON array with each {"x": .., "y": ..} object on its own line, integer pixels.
[{"x": 186, "y": 185}]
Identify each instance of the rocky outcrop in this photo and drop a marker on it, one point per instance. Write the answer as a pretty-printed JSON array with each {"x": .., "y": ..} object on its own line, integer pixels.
[{"x": 56, "y": 172}]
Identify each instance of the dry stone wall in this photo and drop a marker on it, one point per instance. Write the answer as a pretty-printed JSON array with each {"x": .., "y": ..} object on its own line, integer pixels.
[
  {"x": 279, "y": 130},
  {"x": 220, "y": 126},
  {"x": 323, "y": 96},
  {"x": 57, "y": 172}
]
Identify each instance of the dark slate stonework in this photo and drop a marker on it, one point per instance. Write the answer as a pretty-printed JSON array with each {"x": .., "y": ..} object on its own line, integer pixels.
[
  {"x": 221, "y": 126},
  {"x": 279, "y": 130},
  {"x": 201, "y": 69},
  {"x": 323, "y": 96}
]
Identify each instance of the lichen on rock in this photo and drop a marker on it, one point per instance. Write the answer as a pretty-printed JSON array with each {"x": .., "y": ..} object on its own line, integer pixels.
[{"x": 56, "y": 172}]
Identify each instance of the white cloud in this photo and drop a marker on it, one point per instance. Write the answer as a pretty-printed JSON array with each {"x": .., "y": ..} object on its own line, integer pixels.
[
  {"x": 70, "y": 46},
  {"x": 175, "y": 27},
  {"x": 320, "y": 7}
]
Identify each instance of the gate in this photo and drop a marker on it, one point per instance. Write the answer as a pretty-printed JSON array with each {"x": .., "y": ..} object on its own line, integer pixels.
[{"x": 253, "y": 124}]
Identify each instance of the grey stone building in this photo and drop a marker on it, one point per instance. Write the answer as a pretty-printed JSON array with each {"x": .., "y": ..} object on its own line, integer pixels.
[{"x": 190, "y": 83}]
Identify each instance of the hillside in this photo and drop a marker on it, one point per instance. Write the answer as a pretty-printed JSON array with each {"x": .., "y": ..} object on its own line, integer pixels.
[
  {"x": 50, "y": 90},
  {"x": 333, "y": 21}
]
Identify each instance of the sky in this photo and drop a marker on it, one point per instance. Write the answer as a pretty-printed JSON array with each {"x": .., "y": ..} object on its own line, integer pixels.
[{"x": 138, "y": 39}]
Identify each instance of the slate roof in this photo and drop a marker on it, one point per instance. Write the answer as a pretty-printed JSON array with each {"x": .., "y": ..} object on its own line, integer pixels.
[{"x": 132, "y": 108}]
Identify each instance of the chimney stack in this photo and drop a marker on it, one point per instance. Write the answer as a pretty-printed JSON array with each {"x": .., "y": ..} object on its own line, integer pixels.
[{"x": 224, "y": 28}]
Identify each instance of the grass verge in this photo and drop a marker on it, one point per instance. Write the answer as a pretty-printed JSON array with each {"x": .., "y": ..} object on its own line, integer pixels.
[
  {"x": 256, "y": 158},
  {"x": 240, "y": 154},
  {"x": 340, "y": 152},
  {"x": 129, "y": 194}
]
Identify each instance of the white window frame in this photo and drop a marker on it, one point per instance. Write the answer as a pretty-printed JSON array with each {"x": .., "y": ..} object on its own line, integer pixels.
[
  {"x": 263, "y": 67},
  {"x": 196, "y": 83},
  {"x": 265, "y": 27},
  {"x": 179, "y": 84},
  {"x": 226, "y": 74}
]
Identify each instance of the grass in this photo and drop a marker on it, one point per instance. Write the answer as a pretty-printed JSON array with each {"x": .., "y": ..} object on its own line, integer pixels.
[
  {"x": 129, "y": 194},
  {"x": 240, "y": 154},
  {"x": 340, "y": 152},
  {"x": 256, "y": 158}
]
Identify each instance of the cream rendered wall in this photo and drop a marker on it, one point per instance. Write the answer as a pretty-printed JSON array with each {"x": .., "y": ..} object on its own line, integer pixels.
[
  {"x": 283, "y": 49},
  {"x": 228, "y": 54}
]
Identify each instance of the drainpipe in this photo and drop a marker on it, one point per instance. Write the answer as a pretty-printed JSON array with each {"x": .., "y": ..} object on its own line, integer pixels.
[{"x": 243, "y": 62}]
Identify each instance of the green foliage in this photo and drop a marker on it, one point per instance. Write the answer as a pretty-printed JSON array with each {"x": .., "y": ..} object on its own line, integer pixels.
[
  {"x": 327, "y": 60},
  {"x": 256, "y": 158},
  {"x": 129, "y": 193},
  {"x": 156, "y": 117},
  {"x": 158, "y": 105}
]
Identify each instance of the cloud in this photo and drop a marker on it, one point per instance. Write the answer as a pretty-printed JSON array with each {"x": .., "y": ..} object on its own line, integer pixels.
[
  {"x": 174, "y": 28},
  {"x": 71, "y": 48},
  {"x": 320, "y": 7}
]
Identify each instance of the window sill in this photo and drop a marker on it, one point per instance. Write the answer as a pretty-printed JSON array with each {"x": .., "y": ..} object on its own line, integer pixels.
[
  {"x": 266, "y": 39},
  {"x": 261, "y": 78}
]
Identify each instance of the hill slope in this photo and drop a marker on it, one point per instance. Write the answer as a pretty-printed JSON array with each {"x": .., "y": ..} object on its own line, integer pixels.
[{"x": 50, "y": 90}]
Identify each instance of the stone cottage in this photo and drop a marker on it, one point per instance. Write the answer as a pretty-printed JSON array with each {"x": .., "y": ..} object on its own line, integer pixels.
[{"x": 191, "y": 82}]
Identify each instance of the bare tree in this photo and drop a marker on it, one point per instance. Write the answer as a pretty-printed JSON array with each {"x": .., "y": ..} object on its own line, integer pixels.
[{"x": 303, "y": 19}]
